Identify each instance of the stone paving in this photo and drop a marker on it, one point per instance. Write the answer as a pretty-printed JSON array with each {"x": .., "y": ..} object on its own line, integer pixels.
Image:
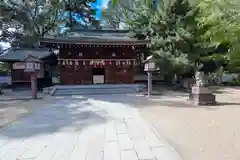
[
  {"x": 79, "y": 128},
  {"x": 11, "y": 95}
]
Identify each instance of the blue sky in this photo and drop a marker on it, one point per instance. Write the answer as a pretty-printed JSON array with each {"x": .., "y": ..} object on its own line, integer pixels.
[{"x": 100, "y": 4}]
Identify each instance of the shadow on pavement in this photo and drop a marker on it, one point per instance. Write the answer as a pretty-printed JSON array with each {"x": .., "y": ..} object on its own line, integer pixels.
[{"x": 73, "y": 113}]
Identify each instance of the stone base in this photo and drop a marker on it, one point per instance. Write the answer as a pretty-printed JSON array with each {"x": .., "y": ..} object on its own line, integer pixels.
[{"x": 202, "y": 96}]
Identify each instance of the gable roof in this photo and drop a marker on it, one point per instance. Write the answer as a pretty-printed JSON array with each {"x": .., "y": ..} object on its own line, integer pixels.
[
  {"x": 22, "y": 54},
  {"x": 31, "y": 58}
]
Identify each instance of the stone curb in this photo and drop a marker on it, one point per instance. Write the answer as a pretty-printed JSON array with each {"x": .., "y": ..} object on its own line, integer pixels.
[
  {"x": 174, "y": 154},
  {"x": 18, "y": 98}
]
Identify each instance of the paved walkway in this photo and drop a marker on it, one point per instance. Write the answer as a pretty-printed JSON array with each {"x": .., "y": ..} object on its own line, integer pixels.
[
  {"x": 12, "y": 110},
  {"x": 93, "y": 128}
]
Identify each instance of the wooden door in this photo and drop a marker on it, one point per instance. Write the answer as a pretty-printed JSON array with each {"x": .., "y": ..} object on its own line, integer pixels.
[
  {"x": 67, "y": 75},
  {"x": 83, "y": 75},
  {"x": 87, "y": 75},
  {"x": 110, "y": 72},
  {"x": 124, "y": 76}
]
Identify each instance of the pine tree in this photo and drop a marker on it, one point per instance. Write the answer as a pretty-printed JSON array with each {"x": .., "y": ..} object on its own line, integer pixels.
[
  {"x": 171, "y": 28},
  {"x": 114, "y": 15},
  {"x": 79, "y": 10},
  {"x": 219, "y": 22}
]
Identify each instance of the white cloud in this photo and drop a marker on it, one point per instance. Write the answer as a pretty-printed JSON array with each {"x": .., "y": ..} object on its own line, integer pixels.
[
  {"x": 105, "y": 3},
  {"x": 5, "y": 45}
]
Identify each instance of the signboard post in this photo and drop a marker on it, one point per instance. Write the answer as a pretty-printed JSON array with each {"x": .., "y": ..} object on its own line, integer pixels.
[{"x": 33, "y": 66}]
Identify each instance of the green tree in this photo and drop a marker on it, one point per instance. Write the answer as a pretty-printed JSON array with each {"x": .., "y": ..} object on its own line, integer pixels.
[
  {"x": 81, "y": 8},
  {"x": 234, "y": 61},
  {"x": 219, "y": 22},
  {"x": 112, "y": 16},
  {"x": 24, "y": 22},
  {"x": 171, "y": 28}
]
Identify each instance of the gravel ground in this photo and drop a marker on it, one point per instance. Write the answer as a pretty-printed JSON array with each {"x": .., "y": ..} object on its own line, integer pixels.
[{"x": 199, "y": 133}]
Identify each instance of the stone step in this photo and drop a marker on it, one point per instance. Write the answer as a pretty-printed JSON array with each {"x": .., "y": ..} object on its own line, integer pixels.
[
  {"x": 92, "y": 89},
  {"x": 102, "y": 89},
  {"x": 91, "y": 93}
]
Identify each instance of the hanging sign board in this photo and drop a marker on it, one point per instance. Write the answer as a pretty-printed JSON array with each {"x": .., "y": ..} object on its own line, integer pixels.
[{"x": 32, "y": 64}]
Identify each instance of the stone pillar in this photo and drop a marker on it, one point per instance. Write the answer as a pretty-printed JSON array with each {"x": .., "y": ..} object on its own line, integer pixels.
[
  {"x": 149, "y": 83},
  {"x": 34, "y": 85}
]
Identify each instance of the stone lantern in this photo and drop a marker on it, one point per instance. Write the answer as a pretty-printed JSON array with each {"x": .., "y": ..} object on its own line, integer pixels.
[
  {"x": 33, "y": 66},
  {"x": 149, "y": 67}
]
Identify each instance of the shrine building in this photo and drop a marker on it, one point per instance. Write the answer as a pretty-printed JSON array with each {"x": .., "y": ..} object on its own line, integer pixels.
[
  {"x": 16, "y": 65},
  {"x": 95, "y": 56}
]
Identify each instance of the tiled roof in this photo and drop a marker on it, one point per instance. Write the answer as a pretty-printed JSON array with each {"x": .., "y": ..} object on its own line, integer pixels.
[
  {"x": 95, "y": 36},
  {"x": 21, "y": 54}
]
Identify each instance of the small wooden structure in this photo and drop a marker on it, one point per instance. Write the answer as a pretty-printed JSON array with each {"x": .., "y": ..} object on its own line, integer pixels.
[{"x": 15, "y": 59}]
